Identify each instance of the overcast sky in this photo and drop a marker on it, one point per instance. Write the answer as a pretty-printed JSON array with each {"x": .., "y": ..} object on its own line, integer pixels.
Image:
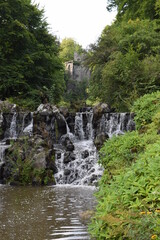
[{"x": 82, "y": 20}]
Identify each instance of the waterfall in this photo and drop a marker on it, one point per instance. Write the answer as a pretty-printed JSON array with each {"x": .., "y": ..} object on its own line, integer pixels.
[
  {"x": 89, "y": 128},
  {"x": 79, "y": 166},
  {"x": 29, "y": 129},
  {"x": 1, "y": 119},
  {"x": 75, "y": 153},
  {"x": 78, "y": 127},
  {"x": 116, "y": 123},
  {"x": 13, "y": 133},
  {"x": 3, "y": 147}
]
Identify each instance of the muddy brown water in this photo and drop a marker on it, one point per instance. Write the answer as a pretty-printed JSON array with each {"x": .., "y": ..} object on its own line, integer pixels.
[{"x": 44, "y": 213}]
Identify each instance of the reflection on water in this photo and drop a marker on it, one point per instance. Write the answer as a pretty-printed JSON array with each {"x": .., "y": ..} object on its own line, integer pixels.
[{"x": 44, "y": 213}]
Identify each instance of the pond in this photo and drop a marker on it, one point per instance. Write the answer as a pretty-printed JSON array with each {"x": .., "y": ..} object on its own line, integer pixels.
[{"x": 44, "y": 213}]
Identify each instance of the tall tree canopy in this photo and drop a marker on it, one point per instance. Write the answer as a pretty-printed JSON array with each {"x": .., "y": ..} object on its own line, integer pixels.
[
  {"x": 125, "y": 63},
  {"x": 132, "y": 9},
  {"x": 67, "y": 49},
  {"x": 29, "y": 55}
]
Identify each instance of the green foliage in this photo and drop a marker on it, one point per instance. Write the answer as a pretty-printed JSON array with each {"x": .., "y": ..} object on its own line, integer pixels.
[
  {"x": 28, "y": 54},
  {"x": 125, "y": 63},
  {"x": 22, "y": 166},
  {"x": 129, "y": 190},
  {"x": 128, "y": 9},
  {"x": 76, "y": 90},
  {"x": 21, "y": 170},
  {"x": 146, "y": 107},
  {"x": 67, "y": 49}
]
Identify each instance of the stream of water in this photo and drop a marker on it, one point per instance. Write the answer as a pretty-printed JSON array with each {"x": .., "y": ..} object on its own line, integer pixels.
[{"x": 44, "y": 213}]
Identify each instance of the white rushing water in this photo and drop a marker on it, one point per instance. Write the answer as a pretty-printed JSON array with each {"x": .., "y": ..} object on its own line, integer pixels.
[
  {"x": 13, "y": 132},
  {"x": 82, "y": 168},
  {"x": 29, "y": 129},
  {"x": 3, "y": 147},
  {"x": 116, "y": 123}
]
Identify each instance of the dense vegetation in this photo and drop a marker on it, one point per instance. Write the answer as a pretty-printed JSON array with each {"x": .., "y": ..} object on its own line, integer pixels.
[
  {"x": 125, "y": 61},
  {"x": 67, "y": 49},
  {"x": 129, "y": 191},
  {"x": 30, "y": 70},
  {"x": 125, "y": 65}
]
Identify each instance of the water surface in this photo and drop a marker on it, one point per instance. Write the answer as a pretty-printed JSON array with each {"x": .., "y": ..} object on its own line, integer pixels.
[{"x": 44, "y": 213}]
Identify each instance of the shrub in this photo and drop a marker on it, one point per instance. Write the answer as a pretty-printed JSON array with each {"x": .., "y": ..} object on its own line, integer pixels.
[{"x": 145, "y": 107}]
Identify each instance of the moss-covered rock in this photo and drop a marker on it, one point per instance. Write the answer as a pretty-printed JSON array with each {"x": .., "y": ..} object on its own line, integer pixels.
[{"x": 29, "y": 161}]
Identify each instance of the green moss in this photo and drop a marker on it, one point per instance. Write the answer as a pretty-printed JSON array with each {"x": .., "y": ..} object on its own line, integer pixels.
[{"x": 22, "y": 169}]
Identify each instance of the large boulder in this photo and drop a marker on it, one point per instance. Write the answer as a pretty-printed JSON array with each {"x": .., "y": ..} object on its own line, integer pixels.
[
  {"x": 99, "y": 110},
  {"x": 100, "y": 139},
  {"x": 29, "y": 160}
]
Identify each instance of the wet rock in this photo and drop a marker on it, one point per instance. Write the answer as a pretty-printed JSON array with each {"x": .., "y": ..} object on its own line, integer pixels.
[
  {"x": 100, "y": 139},
  {"x": 70, "y": 147},
  {"x": 39, "y": 160},
  {"x": 100, "y": 109},
  {"x": 58, "y": 155},
  {"x": 72, "y": 156},
  {"x": 67, "y": 158},
  {"x": 93, "y": 178},
  {"x": 67, "y": 171},
  {"x": 64, "y": 111},
  {"x": 65, "y": 140},
  {"x": 85, "y": 154},
  {"x": 47, "y": 108},
  {"x": 7, "y": 107},
  {"x": 28, "y": 162}
]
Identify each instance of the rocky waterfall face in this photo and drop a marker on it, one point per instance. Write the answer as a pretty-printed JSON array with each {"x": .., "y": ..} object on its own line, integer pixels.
[
  {"x": 77, "y": 161},
  {"x": 73, "y": 139}
]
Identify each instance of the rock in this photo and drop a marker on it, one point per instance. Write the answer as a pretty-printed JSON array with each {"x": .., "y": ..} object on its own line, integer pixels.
[
  {"x": 69, "y": 157},
  {"x": 85, "y": 154},
  {"x": 100, "y": 139},
  {"x": 67, "y": 171},
  {"x": 8, "y": 107},
  {"x": 65, "y": 140},
  {"x": 50, "y": 159},
  {"x": 100, "y": 109},
  {"x": 39, "y": 160},
  {"x": 72, "y": 156},
  {"x": 47, "y": 108},
  {"x": 58, "y": 155},
  {"x": 64, "y": 111},
  {"x": 70, "y": 147}
]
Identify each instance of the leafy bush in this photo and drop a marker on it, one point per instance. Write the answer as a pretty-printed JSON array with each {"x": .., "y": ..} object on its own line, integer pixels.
[
  {"x": 145, "y": 108},
  {"x": 129, "y": 190}
]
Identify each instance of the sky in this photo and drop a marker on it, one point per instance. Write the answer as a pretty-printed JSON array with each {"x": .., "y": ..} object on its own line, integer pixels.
[{"x": 82, "y": 20}]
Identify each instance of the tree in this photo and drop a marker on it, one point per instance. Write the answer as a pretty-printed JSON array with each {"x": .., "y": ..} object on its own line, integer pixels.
[
  {"x": 125, "y": 63},
  {"x": 67, "y": 49},
  {"x": 132, "y": 9},
  {"x": 29, "y": 55}
]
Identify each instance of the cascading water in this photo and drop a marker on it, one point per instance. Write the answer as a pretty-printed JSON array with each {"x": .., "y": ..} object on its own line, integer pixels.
[
  {"x": 79, "y": 167},
  {"x": 29, "y": 129},
  {"x": 76, "y": 154},
  {"x": 116, "y": 123},
  {"x": 13, "y": 132},
  {"x": 78, "y": 127},
  {"x": 3, "y": 147}
]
